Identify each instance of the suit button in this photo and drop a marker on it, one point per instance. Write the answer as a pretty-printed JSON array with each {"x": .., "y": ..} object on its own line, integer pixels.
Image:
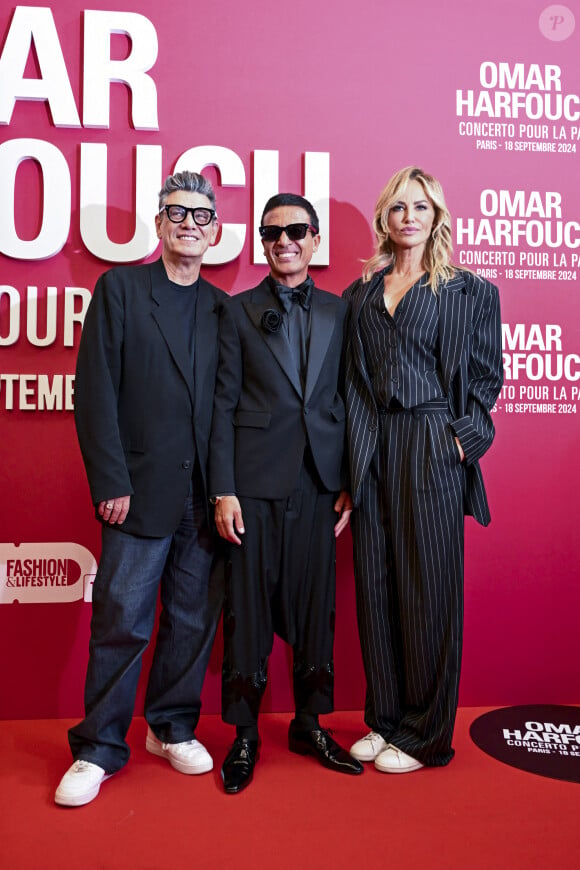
[
  {"x": 373, "y": 427},
  {"x": 186, "y": 464},
  {"x": 306, "y": 410}
]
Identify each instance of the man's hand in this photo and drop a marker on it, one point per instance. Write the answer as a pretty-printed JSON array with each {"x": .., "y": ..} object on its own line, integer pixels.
[
  {"x": 343, "y": 507},
  {"x": 115, "y": 510},
  {"x": 228, "y": 518}
]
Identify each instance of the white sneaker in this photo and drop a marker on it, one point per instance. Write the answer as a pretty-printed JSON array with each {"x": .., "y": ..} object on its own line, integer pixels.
[
  {"x": 367, "y": 748},
  {"x": 80, "y": 784},
  {"x": 394, "y": 760},
  {"x": 187, "y": 757}
]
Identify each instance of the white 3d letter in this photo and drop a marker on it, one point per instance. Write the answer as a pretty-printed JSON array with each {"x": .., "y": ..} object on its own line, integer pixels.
[
  {"x": 100, "y": 70},
  {"x": 232, "y": 174},
  {"x": 34, "y": 24}
]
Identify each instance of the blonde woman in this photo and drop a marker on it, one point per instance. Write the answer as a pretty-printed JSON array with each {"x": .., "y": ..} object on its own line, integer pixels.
[{"x": 424, "y": 369}]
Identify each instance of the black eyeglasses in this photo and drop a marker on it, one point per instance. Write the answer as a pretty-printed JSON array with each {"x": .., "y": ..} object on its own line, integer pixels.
[
  {"x": 177, "y": 214},
  {"x": 295, "y": 232}
]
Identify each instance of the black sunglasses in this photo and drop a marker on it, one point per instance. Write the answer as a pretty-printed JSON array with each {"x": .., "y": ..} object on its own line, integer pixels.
[
  {"x": 177, "y": 214},
  {"x": 295, "y": 232}
]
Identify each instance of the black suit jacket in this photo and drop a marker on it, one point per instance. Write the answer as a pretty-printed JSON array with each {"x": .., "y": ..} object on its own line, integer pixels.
[
  {"x": 262, "y": 419},
  {"x": 471, "y": 370},
  {"x": 140, "y": 415}
]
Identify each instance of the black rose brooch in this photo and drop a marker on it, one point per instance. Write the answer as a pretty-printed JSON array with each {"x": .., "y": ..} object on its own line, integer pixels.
[{"x": 271, "y": 320}]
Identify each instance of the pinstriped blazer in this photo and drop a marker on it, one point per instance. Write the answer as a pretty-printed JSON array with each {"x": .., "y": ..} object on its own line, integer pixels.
[{"x": 471, "y": 370}]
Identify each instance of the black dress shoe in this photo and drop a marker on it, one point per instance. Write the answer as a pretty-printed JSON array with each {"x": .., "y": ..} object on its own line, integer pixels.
[
  {"x": 320, "y": 744},
  {"x": 238, "y": 768}
]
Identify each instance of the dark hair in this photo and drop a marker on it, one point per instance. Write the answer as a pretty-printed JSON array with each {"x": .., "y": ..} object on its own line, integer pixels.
[{"x": 291, "y": 199}]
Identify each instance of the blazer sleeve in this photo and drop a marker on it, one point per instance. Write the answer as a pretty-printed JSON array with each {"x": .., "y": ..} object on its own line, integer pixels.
[
  {"x": 98, "y": 375},
  {"x": 350, "y": 290},
  {"x": 475, "y": 428},
  {"x": 227, "y": 395}
]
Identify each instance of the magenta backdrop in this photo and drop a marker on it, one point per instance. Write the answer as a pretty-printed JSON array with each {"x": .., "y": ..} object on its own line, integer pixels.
[{"x": 482, "y": 94}]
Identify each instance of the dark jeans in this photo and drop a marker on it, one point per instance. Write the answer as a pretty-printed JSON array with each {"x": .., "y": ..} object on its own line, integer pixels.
[{"x": 130, "y": 573}]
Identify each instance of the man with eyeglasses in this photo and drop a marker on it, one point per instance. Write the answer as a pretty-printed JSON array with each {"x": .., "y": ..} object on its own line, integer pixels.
[
  {"x": 143, "y": 400},
  {"x": 277, "y": 478}
]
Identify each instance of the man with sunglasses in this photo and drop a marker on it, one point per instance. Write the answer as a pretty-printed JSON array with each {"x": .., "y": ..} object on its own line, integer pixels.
[
  {"x": 143, "y": 399},
  {"x": 277, "y": 478}
]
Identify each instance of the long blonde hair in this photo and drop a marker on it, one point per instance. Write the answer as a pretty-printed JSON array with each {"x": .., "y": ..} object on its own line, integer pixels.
[{"x": 439, "y": 247}]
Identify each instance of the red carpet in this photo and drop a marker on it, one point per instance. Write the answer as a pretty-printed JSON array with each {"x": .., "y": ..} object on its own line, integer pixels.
[{"x": 476, "y": 813}]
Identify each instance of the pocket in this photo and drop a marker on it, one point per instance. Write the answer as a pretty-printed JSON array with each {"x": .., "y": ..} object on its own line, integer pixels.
[
  {"x": 133, "y": 445},
  {"x": 252, "y": 419},
  {"x": 338, "y": 412},
  {"x": 436, "y": 451},
  {"x": 454, "y": 457}
]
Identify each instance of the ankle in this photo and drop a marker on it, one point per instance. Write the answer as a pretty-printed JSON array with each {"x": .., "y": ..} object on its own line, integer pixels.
[
  {"x": 306, "y": 721},
  {"x": 247, "y": 732}
]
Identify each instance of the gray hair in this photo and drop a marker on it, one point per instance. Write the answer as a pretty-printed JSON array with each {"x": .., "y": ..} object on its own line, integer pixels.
[{"x": 189, "y": 181}]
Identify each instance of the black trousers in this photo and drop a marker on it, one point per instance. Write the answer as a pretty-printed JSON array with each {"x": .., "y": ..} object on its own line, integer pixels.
[
  {"x": 408, "y": 558},
  {"x": 281, "y": 580}
]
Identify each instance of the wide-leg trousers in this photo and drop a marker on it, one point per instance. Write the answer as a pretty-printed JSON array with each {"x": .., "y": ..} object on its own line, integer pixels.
[
  {"x": 131, "y": 572},
  {"x": 408, "y": 538},
  {"x": 282, "y": 580}
]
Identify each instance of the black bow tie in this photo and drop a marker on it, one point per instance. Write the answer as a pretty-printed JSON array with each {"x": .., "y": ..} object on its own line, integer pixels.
[{"x": 292, "y": 295}]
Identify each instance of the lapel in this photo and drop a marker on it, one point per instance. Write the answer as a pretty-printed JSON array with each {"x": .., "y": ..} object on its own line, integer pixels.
[
  {"x": 169, "y": 325},
  {"x": 357, "y": 302},
  {"x": 206, "y": 335},
  {"x": 322, "y": 322},
  {"x": 261, "y": 299},
  {"x": 455, "y": 309}
]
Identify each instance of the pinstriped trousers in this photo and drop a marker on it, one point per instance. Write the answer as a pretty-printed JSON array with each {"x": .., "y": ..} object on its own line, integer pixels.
[{"x": 408, "y": 535}]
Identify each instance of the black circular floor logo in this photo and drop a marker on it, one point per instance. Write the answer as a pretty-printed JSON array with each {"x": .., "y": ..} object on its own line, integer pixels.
[{"x": 540, "y": 738}]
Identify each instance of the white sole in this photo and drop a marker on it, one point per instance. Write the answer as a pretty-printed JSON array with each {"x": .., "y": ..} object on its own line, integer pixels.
[
  {"x": 416, "y": 766},
  {"x": 81, "y": 799}
]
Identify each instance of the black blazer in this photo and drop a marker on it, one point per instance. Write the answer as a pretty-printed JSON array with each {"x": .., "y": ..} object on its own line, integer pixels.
[
  {"x": 262, "y": 420},
  {"x": 471, "y": 370},
  {"x": 140, "y": 415}
]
